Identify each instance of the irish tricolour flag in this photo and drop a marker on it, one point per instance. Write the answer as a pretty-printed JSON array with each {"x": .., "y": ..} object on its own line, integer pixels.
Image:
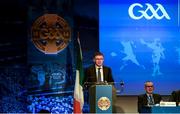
[{"x": 78, "y": 90}]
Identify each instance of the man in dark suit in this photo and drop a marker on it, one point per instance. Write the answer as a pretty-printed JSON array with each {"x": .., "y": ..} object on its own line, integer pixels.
[
  {"x": 92, "y": 73},
  {"x": 175, "y": 96},
  {"x": 148, "y": 99},
  {"x": 98, "y": 73}
]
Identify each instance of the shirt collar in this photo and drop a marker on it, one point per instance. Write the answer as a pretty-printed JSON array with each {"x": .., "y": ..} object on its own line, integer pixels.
[
  {"x": 149, "y": 95},
  {"x": 98, "y": 67}
]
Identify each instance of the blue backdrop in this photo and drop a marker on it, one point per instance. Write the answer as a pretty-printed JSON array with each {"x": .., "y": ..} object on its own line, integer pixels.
[{"x": 143, "y": 40}]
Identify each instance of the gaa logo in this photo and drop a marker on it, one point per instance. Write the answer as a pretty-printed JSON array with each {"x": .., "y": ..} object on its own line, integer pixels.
[
  {"x": 104, "y": 103},
  {"x": 50, "y": 33},
  {"x": 158, "y": 13}
]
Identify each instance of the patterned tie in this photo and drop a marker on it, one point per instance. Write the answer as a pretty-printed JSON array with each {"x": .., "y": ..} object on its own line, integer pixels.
[
  {"x": 99, "y": 75},
  {"x": 151, "y": 102}
]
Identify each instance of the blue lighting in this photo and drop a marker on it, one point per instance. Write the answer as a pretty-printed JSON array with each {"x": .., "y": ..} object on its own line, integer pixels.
[{"x": 143, "y": 43}]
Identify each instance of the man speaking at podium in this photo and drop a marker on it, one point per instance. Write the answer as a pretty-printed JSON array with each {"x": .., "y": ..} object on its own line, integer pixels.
[{"x": 98, "y": 72}]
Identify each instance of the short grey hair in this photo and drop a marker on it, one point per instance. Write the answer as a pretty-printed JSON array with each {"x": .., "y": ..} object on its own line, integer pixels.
[{"x": 148, "y": 82}]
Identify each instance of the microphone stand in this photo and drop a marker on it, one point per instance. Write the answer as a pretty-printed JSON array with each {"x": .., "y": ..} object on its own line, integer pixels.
[{"x": 121, "y": 88}]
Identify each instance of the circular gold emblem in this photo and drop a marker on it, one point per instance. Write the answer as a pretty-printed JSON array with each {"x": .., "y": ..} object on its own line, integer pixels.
[
  {"x": 104, "y": 103},
  {"x": 50, "y": 33}
]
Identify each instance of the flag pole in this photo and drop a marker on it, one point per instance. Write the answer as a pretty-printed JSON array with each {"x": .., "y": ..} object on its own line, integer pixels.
[{"x": 78, "y": 88}]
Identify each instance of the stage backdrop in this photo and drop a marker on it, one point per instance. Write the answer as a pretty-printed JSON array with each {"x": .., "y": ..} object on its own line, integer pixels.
[
  {"x": 143, "y": 40},
  {"x": 38, "y": 52}
]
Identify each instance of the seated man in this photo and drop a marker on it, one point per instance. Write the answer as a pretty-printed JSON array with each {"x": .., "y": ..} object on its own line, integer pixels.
[
  {"x": 148, "y": 99},
  {"x": 175, "y": 96}
]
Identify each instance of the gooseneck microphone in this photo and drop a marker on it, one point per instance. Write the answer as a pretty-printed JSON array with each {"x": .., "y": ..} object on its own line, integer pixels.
[
  {"x": 122, "y": 83},
  {"x": 121, "y": 88}
]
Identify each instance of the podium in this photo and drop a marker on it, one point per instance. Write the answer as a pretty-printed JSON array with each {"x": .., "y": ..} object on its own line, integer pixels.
[{"x": 100, "y": 98}]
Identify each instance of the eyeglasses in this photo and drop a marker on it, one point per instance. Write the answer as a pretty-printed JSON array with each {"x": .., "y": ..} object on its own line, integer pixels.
[
  {"x": 99, "y": 59},
  {"x": 149, "y": 86}
]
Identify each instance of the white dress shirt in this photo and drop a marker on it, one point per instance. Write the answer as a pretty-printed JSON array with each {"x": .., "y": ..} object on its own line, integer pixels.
[{"x": 101, "y": 70}]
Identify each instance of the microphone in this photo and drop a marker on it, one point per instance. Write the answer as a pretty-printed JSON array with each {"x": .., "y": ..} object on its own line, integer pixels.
[
  {"x": 105, "y": 82},
  {"x": 84, "y": 85},
  {"x": 122, "y": 83},
  {"x": 121, "y": 89}
]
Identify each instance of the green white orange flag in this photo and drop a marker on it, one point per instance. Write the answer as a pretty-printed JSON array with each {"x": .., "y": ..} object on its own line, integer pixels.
[{"x": 78, "y": 89}]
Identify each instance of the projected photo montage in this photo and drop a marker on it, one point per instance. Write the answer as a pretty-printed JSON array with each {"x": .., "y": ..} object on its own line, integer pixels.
[{"x": 143, "y": 40}]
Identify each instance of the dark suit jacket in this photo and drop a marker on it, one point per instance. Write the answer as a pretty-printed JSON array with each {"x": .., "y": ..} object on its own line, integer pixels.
[
  {"x": 175, "y": 96},
  {"x": 90, "y": 74},
  {"x": 142, "y": 102}
]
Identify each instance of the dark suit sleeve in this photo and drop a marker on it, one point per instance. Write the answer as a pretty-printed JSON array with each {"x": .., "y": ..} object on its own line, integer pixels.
[
  {"x": 157, "y": 98},
  {"x": 160, "y": 98},
  {"x": 142, "y": 104},
  {"x": 173, "y": 96},
  {"x": 86, "y": 78},
  {"x": 90, "y": 74},
  {"x": 110, "y": 77},
  {"x": 87, "y": 75}
]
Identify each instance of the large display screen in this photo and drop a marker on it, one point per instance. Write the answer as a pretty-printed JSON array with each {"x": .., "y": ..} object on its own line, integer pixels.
[{"x": 140, "y": 40}]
